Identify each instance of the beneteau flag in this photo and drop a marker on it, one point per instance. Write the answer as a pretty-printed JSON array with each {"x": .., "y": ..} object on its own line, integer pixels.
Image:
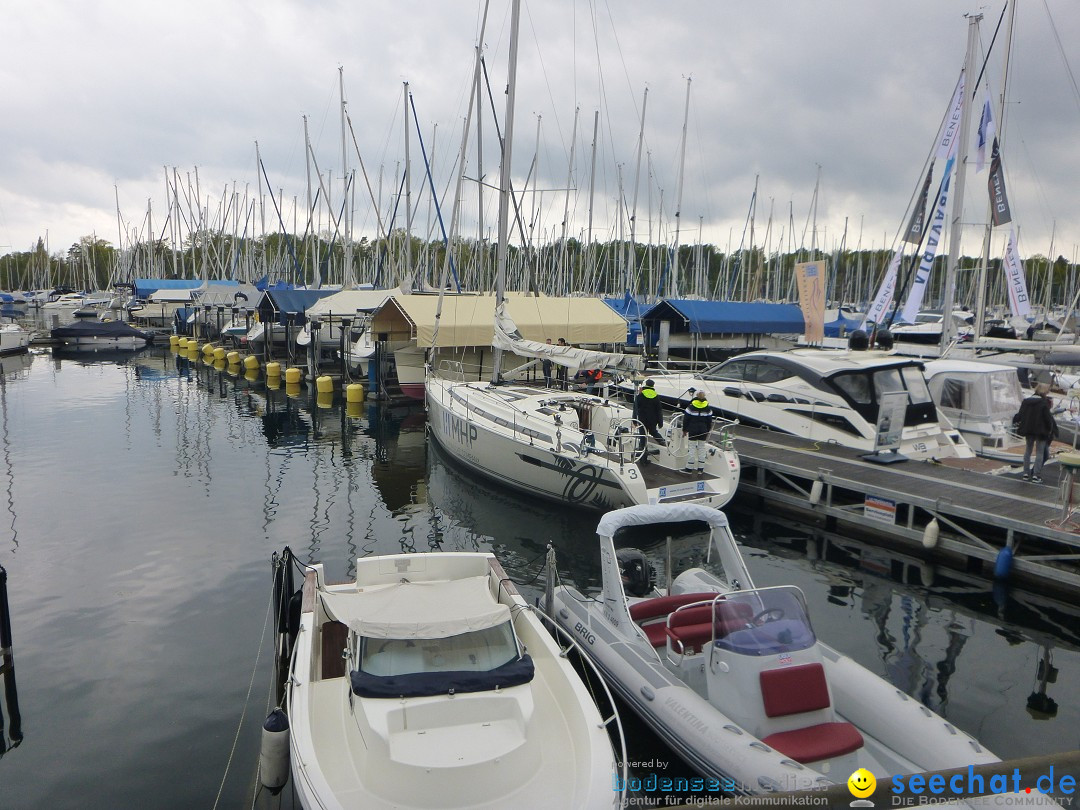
[
  {"x": 986, "y": 135},
  {"x": 1015, "y": 279},
  {"x": 876, "y": 313},
  {"x": 950, "y": 127},
  {"x": 926, "y": 263},
  {"x": 918, "y": 216},
  {"x": 811, "y": 279},
  {"x": 999, "y": 200}
]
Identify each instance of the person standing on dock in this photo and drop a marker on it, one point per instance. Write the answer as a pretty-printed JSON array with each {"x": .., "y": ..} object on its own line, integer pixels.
[
  {"x": 648, "y": 411},
  {"x": 560, "y": 372},
  {"x": 696, "y": 426},
  {"x": 1035, "y": 422}
]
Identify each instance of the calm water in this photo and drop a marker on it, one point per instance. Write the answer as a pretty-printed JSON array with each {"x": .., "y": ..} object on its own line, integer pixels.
[{"x": 141, "y": 499}]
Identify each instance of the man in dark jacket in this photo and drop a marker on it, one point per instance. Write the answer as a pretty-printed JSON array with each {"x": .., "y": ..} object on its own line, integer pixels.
[
  {"x": 697, "y": 425},
  {"x": 1035, "y": 422},
  {"x": 648, "y": 411}
]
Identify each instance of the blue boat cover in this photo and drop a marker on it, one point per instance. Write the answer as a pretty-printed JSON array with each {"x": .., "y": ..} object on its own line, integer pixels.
[
  {"x": 631, "y": 309},
  {"x": 727, "y": 317},
  {"x": 423, "y": 684},
  {"x": 842, "y": 326}
]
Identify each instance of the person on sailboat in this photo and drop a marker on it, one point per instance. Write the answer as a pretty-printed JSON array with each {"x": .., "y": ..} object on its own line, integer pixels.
[
  {"x": 648, "y": 410},
  {"x": 546, "y": 366},
  {"x": 592, "y": 377},
  {"x": 560, "y": 372},
  {"x": 1035, "y": 422},
  {"x": 697, "y": 425}
]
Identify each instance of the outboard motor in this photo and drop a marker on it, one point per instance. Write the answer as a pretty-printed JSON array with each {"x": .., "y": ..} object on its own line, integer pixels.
[
  {"x": 858, "y": 341},
  {"x": 638, "y": 576},
  {"x": 884, "y": 340}
]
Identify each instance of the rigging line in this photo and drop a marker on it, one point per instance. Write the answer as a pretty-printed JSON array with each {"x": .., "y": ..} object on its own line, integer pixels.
[
  {"x": 247, "y": 699},
  {"x": 1064, "y": 58},
  {"x": 547, "y": 80}
]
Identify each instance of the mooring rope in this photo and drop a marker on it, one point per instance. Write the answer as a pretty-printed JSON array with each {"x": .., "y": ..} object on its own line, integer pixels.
[{"x": 247, "y": 699}]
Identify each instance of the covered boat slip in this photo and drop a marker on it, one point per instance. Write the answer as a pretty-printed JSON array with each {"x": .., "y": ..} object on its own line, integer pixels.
[
  {"x": 978, "y": 514},
  {"x": 469, "y": 320}
]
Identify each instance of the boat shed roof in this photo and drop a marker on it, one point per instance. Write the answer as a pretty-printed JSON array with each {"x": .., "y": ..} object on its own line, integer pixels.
[
  {"x": 275, "y": 303},
  {"x": 346, "y": 303},
  {"x": 145, "y": 287},
  {"x": 727, "y": 317},
  {"x": 469, "y": 320}
]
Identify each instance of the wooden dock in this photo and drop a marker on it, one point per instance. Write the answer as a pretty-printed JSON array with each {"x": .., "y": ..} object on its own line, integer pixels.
[{"x": 977, "y": 514}]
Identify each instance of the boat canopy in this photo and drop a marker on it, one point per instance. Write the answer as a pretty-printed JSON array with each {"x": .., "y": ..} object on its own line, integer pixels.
[
  {"x": 419, "y": 610},
  {"x": 644, "y": 515},
  {"x": 508, "y": 337},
  {"x": 103, "y": 329}
]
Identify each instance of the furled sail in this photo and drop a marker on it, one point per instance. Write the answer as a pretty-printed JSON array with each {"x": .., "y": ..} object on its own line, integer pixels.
[{"x": 508, "y": 338}]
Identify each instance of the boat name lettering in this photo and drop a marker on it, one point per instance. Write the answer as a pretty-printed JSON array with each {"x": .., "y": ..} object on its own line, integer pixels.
[
  {"x": 686, "y": 714},
  {"x": 459, "y": 429},
  {"x": 583, "y": 631}
]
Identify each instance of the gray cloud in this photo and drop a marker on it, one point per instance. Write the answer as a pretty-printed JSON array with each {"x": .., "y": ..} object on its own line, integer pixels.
[{"x": 110, "y": 93}]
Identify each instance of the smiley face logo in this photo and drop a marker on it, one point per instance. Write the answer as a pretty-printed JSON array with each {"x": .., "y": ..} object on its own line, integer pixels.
[{"x": 861, "y": 783}]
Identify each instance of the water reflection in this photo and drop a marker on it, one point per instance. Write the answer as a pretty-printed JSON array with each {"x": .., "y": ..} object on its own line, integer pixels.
[
  {"x": 12, "y": 368},
  {"x": 192, "y": 476}
]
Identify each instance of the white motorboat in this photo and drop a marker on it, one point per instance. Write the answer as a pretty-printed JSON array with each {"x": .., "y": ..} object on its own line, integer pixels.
[
  {"x": 820, "y": 394},
  {"x": 429, "y": 682},
  {"x": 733, "y": 677},
  {"x": 71, "y": 301},
  {"x": 928, "y": 325},
  {"x": 979, "y": 399},
  {"x": 13, "y": 338},
  {"x": 573, "y": 448}
]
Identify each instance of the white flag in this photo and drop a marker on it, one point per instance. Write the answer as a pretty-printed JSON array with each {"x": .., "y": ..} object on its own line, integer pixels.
[
  {"x": 1015, "y": 279},
  {"x": 877, "y": 311},
  {"x": 950, "y": 127},
  {"x": 926, "y": 263}
]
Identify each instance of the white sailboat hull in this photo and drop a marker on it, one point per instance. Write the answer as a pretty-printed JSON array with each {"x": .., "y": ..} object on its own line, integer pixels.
[{"x": 521, "y": 446}]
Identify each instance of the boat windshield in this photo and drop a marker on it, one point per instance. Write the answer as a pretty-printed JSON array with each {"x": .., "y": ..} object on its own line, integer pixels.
[
  {"x": 767, "y": 621},
  {"x": 476, "y": 651}
]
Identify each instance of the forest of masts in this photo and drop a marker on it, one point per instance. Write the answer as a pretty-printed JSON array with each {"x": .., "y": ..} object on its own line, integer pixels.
[{"x": 564, "y": 267}]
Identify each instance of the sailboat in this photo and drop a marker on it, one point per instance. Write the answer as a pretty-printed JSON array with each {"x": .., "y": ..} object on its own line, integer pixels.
[{"x": 577, "y": 448}]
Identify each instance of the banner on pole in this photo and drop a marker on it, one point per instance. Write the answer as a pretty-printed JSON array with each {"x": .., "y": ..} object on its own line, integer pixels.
[
  {"x": 811, "y": 280},
  {"x": 933, "y": 239}
]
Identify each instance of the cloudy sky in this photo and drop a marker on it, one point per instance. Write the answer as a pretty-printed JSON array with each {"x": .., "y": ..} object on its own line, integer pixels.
[{"x": 105, "y": 100}]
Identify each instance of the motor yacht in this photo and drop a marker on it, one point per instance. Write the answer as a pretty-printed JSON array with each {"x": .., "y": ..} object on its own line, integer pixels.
[{"x": 823, "y": 395}]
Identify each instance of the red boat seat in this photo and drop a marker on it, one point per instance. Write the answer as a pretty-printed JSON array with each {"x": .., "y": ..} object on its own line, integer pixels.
[
  {"x": 690, "y": 628},
  {"x": 663, "y": 605},
  {"x": 797, "y": 690},
  {"x": 815, "y": 743}
]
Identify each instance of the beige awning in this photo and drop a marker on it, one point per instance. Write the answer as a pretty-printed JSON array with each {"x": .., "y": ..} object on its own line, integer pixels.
[
  {"x": 469, "y": 320},
  {"x": 433, "y": 609}
]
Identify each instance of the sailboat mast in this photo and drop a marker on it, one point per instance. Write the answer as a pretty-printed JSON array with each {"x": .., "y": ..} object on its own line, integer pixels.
[
  {"x": 678, "y": 201},
  {"x": 631, "y": 265},
  {"x": 408, "y": 196},
  {"x": 980, "y": 287},
  {"x": 947, "y": 301},
  {"x": 504, "y": 178}
]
